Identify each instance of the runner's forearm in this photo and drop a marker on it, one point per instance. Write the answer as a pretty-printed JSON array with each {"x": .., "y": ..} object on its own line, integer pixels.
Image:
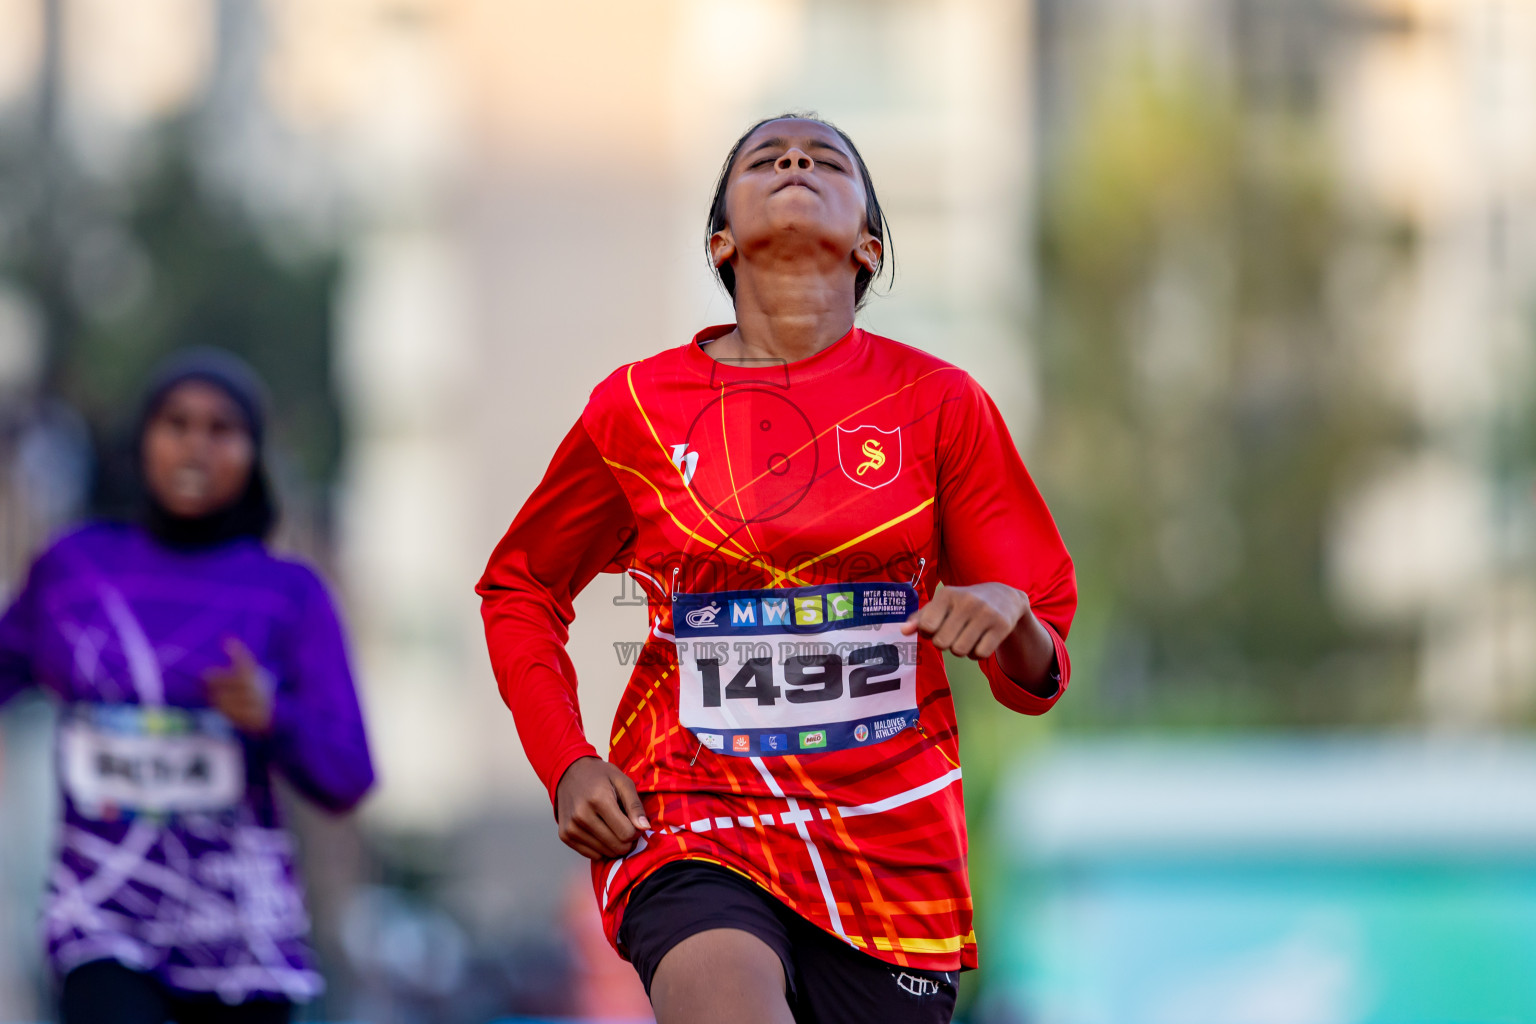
[{"x": 1028, "y": 657}]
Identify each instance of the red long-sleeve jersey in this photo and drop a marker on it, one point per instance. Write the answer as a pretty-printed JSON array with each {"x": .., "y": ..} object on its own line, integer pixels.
[{"x": 827, "y": 767}]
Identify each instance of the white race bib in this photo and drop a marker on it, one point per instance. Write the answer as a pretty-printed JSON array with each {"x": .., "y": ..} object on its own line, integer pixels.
[
  {"x": 802, "y": 670},
  {"x": 129, "y": 759}
]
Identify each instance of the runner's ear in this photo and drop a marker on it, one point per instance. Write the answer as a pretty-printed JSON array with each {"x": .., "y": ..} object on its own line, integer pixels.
[
  {"x": 868, "y": 253},
  {"x": 722, "y": 246}
]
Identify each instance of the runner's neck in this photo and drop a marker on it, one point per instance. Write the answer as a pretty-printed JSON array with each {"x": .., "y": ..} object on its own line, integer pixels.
[{"x": 786, "y": 316}]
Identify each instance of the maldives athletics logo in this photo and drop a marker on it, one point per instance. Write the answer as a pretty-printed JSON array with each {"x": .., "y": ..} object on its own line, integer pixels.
[{"x": 869, "y": 456}]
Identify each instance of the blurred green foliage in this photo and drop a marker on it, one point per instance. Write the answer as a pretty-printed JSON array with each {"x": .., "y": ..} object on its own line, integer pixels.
[
  {"x": 127, "y": 267},
  {"x": 1204, "y": 399}
]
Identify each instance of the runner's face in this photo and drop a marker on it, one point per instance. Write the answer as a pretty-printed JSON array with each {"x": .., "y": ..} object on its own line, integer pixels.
[
  {"x": 795, "y": 193},
  {"x": 197, "y": 451}
]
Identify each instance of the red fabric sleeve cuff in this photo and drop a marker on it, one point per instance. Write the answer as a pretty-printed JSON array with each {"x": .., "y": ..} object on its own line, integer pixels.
[{"x": 1013, "y": 696}]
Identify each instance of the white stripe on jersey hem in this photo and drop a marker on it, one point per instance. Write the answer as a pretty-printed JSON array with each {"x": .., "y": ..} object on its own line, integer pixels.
[
  {"x": 911, "y": 795},
  {"x": 640, "y": 845},
  {"x": 797, "y": 817},
  {"x": 821, "y": 871}
]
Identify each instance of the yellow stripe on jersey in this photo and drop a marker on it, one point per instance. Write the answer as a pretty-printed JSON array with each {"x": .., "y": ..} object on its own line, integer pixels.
[
  {"x": 725, "y": 535},
  {"x": 857, "y": 412},
  {"x": 725, "y": 440},
  {"x": 619, "y": 733},
  {"x": 790, "y": 573},
  {"x": 679, "y": 524},
  {"x": 932, "y": 947}
]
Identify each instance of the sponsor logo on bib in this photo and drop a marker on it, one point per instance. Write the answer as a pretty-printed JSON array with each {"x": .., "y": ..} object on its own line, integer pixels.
[
  {"x": 704, "y": 618},
  {"x": 808, "y": 611},
  {"x": 775, "y": 611},
  {"x": 817, "y": 668}
]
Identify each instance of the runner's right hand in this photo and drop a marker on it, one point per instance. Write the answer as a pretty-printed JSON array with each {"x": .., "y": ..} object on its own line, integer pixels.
[
  {"x": 242, "y": 690},
  {"x": 599, "y": 810}
]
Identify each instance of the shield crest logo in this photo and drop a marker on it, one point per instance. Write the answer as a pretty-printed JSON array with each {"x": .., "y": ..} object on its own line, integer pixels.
[{"x": 869, "y": 456}]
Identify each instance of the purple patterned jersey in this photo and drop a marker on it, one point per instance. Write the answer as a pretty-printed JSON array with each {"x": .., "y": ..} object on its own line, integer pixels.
[{"x": 172, "y": 857}]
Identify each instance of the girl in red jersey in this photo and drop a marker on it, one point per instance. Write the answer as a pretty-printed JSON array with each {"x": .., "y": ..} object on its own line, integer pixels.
[{"x": 778, "y": 834}]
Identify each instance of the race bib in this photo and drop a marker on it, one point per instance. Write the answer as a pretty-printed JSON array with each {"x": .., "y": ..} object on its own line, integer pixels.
[
  {"x": 796, "y": 671},
  {"x": 126, "y": 759}
]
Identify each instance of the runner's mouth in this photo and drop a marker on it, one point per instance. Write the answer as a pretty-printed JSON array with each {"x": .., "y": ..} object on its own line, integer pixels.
[
  {"x": 190, "y": 482},
  {"x": 793, "y": 181}
]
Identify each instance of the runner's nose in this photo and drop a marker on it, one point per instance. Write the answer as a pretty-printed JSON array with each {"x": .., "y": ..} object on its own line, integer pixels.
[{"x": 794, "y": 160}]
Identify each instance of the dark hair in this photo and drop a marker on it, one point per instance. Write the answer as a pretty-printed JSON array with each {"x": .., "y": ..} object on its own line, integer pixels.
[{"x": 874, "y": 216}]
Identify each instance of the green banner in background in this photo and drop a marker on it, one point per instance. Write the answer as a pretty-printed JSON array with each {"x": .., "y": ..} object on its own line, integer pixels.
[{"x": 1294, "y": 882}]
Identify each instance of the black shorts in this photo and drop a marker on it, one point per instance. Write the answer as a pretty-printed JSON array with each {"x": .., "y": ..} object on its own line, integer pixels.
[
  {"x": 106, "y": 992},
  {"x": 827, "y": 980}
]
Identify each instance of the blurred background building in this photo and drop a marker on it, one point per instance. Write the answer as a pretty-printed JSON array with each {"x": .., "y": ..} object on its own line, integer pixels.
[{"x": 1253, "y": 281}]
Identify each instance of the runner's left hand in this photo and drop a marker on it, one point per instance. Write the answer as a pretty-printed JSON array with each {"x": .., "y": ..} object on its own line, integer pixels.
[
  {"x": 970, "y": 622},
  {"x": 242, "y": 690}
]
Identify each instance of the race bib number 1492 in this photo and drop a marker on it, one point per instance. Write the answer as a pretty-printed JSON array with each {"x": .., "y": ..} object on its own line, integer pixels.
[{"x": 796, "y": 671}]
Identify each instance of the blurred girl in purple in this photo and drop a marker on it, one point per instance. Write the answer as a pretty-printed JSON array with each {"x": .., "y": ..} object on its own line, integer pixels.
[{"x": 190, "y": 664}]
